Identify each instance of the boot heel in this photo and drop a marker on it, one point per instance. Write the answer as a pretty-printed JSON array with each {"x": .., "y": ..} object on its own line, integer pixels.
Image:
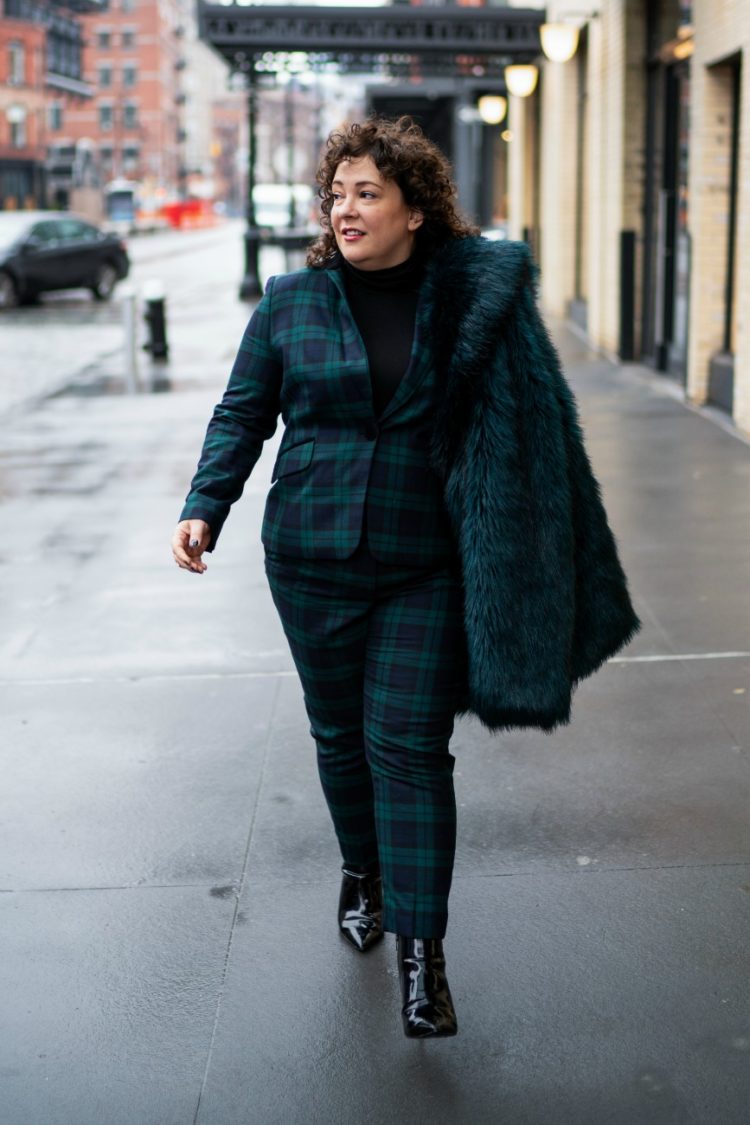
[
  {"x": 427, "y": 1003},
  {"x": 360, "y": 912}
]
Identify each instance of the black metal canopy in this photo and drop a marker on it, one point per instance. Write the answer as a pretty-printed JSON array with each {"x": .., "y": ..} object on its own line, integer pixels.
[{"x": 443, "y": 40}]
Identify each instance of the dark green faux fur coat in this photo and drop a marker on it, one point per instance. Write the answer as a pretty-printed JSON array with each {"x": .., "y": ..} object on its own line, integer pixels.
[{"x": 546, "y": 599}]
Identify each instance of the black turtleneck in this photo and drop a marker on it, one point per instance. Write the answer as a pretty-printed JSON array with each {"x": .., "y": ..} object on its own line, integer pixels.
[{"x": 384, "y": 305}]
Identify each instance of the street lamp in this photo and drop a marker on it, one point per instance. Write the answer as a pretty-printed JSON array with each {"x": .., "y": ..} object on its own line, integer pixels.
[{"x": 250, "y": 287}]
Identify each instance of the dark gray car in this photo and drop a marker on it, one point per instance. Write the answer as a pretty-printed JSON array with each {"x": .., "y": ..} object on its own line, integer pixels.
[{"x": 45, "y": 250}]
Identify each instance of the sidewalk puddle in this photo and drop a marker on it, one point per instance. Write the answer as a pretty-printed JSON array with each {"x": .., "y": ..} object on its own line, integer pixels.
[{"x": 100, "y": 384}]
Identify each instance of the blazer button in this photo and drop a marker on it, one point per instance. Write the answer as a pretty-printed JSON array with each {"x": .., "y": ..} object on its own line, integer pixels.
[{"x": 370, "y": 431}]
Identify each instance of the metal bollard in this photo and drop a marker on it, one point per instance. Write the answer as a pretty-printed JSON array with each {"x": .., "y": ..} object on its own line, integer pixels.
[
  {"x": 156, "y": 321},
  {"x": 129, "y": 295}
]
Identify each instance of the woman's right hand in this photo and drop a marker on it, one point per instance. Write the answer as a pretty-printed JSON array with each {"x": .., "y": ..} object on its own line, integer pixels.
[{"x": 190, "y": 539}]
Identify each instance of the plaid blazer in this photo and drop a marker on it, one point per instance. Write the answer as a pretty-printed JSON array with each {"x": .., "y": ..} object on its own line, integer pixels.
[{"x": 302, "y": 356}]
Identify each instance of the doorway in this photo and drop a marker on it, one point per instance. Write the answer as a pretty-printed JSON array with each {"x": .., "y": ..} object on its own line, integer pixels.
[{"x": 667, "y": 243}]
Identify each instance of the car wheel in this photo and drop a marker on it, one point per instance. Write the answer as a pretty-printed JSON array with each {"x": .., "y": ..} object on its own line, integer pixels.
[
  {"x": 8, "y": 292},
  {"x": 104, "y": 282}
]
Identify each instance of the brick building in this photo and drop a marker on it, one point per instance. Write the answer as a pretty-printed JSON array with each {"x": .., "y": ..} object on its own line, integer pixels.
[
  {"x": 41, "y": 45},
  {"x": 631, "y": 169},
  {"x": 133, "y": 58},
  {"x": 215, "y": 123}
]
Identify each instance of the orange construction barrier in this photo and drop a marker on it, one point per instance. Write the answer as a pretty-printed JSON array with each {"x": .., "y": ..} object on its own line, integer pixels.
[{"x": 189, "y": 214}]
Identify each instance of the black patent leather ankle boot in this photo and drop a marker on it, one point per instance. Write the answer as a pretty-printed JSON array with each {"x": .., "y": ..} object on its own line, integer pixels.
[
  {"x": 428, "y": 1006},
  {"x": 361, "y": 908}
]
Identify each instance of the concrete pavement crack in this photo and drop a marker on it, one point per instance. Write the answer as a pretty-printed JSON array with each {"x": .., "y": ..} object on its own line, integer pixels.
[
  {"x": 600, "y": 870},
  {"x": 577, "y": 871},
  {"x": 238, "y": 896},
  {"x": 105, "y": 887}
]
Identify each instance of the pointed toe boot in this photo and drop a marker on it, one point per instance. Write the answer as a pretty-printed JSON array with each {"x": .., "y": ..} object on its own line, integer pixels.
[
  {"x": 361, "y": 908},
  {"x": 427, "y": 1004}
]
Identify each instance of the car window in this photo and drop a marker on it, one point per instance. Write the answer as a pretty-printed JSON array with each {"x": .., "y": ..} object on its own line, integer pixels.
[
  {"x": 74, "y": 230},
  {"x": 47, "y": 232}
]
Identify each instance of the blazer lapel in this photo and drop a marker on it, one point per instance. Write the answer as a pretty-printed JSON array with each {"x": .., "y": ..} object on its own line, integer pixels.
[
  {"x": 419, "y": 361},
  {"x": 355, "y": 354}
]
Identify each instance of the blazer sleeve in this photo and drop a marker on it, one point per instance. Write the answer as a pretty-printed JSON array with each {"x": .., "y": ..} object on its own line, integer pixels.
[{"x": 246, "y": 416}]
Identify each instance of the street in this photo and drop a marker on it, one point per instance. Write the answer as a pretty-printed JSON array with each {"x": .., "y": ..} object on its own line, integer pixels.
[
  {"x": 169, "y": 875},
  {"x": 195, "y": 266}
]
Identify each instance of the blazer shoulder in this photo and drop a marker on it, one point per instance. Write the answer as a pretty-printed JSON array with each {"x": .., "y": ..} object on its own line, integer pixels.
[{"x": 300, "y": 283}]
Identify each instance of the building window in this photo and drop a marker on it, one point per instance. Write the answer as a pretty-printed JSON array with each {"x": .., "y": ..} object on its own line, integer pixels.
[
  {"x": 105, "y": 76},
  {"x": 16, "y": 64},
  {"x": 127, "y": 5},
  {"x": 63, "y": 51},
  {"x": 128, "y": 37},
  {"x": 106, "y": 156},
  {"x": 55, "y": 117},
  {"x": 105, "y": 117},
  {"x": 130, "y": 155},
  {"x": 103, "y": 39},
  {"x": 130, "y": 115},
  {"x": 129, "y": 74},
  {"x": 16, "y": 115}
]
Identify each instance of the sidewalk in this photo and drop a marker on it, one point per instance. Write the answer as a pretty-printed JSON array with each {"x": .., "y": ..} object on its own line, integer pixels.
[{"x": 169, "y": 875}]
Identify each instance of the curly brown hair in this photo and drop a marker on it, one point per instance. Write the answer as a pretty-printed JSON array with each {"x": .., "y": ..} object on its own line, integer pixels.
[{"x": 401, "y": 152}]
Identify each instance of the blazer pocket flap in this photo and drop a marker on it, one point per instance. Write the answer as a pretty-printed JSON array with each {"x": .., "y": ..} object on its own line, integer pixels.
[{"x": 293, "y": 459}]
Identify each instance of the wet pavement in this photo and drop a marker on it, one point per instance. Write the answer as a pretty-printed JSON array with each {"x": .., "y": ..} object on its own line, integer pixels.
[
  {"x": 168, "y": 873},
  {"x": 70, "y": 342}
]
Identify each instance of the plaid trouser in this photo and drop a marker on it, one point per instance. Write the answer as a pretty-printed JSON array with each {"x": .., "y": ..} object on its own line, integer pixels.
[{"x": 380, "y": 652}]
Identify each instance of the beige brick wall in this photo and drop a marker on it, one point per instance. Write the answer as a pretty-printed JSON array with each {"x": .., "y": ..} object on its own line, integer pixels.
[
  {"x": 634, "y": 145},
  {"x": 615, "y": 174},
  {"x": 594, "y": 175},
  {"x": 522, "y": 149},
  {"x": 517, "y": 179},
  {"x": 742, "y": 312},
  {"x": 613, "y": 169},
  {"x": 615, "y": 162},
  {"x": 605, "y": 163},
  {"x": 722, "y": 27},
  {"x": 558, "y": 184}
]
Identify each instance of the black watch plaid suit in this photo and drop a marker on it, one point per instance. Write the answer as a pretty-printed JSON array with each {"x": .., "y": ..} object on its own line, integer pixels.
[{"x": 363, "y": 570}]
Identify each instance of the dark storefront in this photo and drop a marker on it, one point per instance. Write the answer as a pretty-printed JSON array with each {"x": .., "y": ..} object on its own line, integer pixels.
[
  {"x": 21, "y": 184},
  {"x": 666, "y": 242}
]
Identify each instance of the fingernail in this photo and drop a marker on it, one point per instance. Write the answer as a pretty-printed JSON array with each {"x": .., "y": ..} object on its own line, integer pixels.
[{"x": 194, "y": 542}]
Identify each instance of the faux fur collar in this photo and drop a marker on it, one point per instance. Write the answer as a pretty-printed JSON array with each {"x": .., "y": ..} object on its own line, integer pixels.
[{"x": 479, "y": 277}]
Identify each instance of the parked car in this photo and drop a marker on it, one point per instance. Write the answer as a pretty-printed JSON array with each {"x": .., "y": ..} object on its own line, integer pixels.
[{"x": 45, "y": 250}]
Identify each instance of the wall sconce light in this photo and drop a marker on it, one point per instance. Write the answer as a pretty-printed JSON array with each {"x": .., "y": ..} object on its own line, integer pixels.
[
  {"x": 492, "y": 108},
  {"x": 521, "y": 78},
  {"x": 680, "y": 48},
  {"x": 559, "y": 41}
]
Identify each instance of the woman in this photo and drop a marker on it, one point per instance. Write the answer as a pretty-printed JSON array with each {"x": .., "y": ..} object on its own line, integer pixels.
[{"x": 435, "y": 539}]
